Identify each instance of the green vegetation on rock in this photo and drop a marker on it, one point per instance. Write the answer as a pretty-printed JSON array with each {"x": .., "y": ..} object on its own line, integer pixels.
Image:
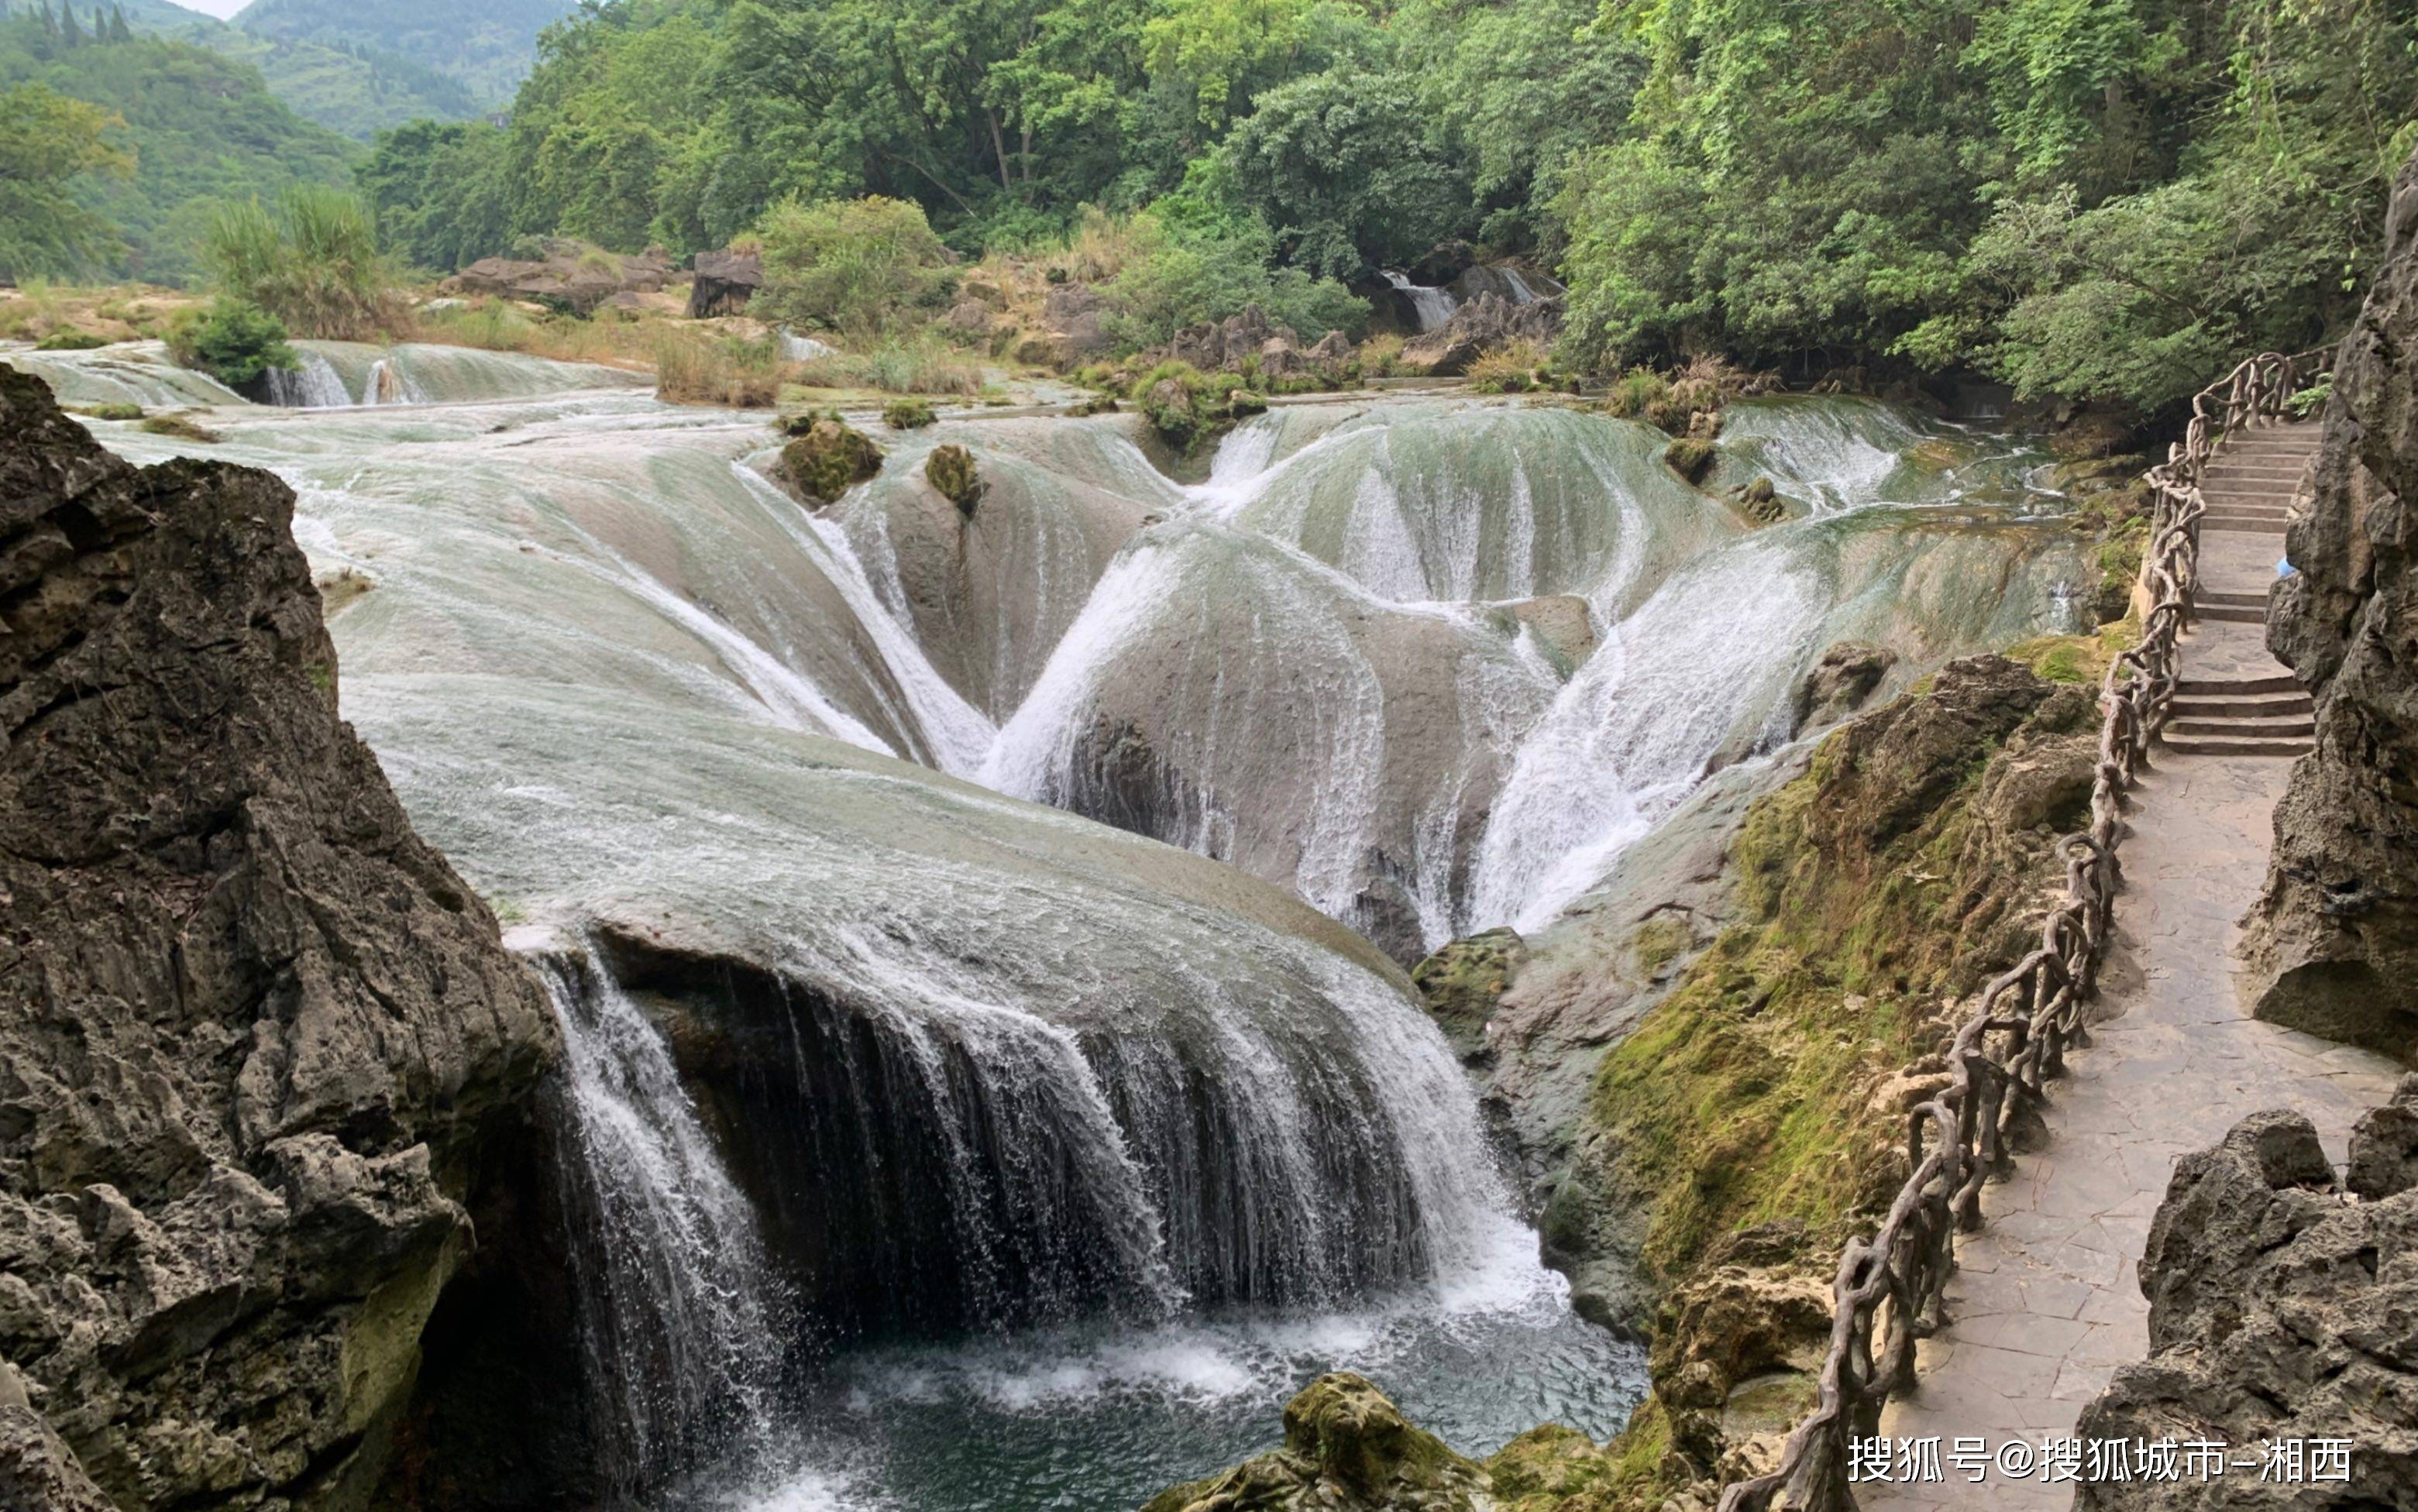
[
  {"x": 232, "y": 340},
  {"x": 830, "y": 458}
]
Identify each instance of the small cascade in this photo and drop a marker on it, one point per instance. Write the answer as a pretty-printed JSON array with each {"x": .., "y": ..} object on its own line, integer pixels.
[
  {"x": 797, "y": 348},
  {"x": 387, "y": 384},
  {"x": 313, "y": 385},
  {"x": 683, "y": 1323},
  {"x": 1432, "y": 306}
]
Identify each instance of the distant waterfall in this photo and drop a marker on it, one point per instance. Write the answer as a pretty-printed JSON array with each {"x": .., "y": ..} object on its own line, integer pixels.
[
  {"x": 681, "y": 1319},
  {"x": 1432, "y": 306},
  {"x": 315, "y": 385},
  {"x": 389, "y": 384}
]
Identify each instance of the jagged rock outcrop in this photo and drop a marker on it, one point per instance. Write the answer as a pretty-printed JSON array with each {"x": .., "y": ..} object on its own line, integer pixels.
[
  {"x": 257, "y": 1041},
  {"x": 1075, "y": 316},
  {"x": 1215, "y": 344},
  {"x": 2280, "y": 1310},
  {"x": 724, "y": 282},
  {"x": 1487, "y": 321},
  {"x": 1347, "y": 1449},
  {"x": 570, "y": 274},
  {"x": 1839, "y": 684},
  {"x": 2336, "y": 928}
]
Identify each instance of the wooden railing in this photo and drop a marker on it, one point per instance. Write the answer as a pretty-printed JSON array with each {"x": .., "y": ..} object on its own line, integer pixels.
[{"x": 1889, "y": 1288}]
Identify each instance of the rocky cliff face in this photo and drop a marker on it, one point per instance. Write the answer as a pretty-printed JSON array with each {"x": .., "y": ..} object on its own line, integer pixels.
[
  {"x": 2280, "y": 1310},
  {"x": 257, "y": 1041},
  {"x": 2336, "y": 930}
]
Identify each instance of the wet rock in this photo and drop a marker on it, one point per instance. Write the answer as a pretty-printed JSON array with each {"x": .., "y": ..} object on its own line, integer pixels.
[
  {"x": 724, "y": 282},
  {"x": 1737, "y": 1349},
  {"x": 1759, "y": 502},
  {"x": 259, "y": 1040},
  {"x": 1692, "y": 457},
  {"x": 2335, "y": 931},
  {"x": 1461, "y": 982},
  {"x": 1347, "y": 1449},
  {"x": 829, "y": 460},
  {"x": 1839, "y": 684},
  {"x": 1486, "y": 321},
  {"x": 2278, "y": 1311},
  {"x": 950, "y": 470},
  {"x": 1565, "y": 626}
]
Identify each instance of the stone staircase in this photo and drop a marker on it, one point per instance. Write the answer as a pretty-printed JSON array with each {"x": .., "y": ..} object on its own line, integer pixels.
[{"x": 2240, "y": 701}]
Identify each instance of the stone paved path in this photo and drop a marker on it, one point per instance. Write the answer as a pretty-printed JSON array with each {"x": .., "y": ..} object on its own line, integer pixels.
[{"x": 2047, "y": 1301}]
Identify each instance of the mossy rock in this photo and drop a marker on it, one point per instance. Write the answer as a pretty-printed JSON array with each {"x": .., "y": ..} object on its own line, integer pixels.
[
  {"x": 1347, "y": 1449},
  {"x": 1463, "y": 980},
  {"x": 1691, "y": 458},
  {"x": 108, "y": 412},
  {"x": 908, "y": 414},
  {"x": 951, "y": 471},
  {"x": 70, "y": 340},
  {"x": 1759, "y": 502},
  {"x": 182, "y": 428},
  {"x": 829, "y": 460}
]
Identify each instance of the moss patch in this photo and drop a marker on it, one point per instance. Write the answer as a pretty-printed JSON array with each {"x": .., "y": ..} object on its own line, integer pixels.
[{"x": 829, "y": 459}]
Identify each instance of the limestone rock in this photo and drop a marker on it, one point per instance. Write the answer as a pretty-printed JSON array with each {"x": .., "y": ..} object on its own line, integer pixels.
[
  {"x": 38, "y": 1472},
  {"x": 829, "y": 460},
  {"x": 1487, "y": 321},
  {"x": 1564, "y": 623},
  {"x": 2278, "y": 1310},
  {"x": 1839, "y": 684},
  {"x": 2335, "y": 931},
  {"x": 1347, "y": 1449},
  {"x": 1461, "y": 981},
  {"x": 570, "y": 274},
  {"x": 969, "y": 317},
  {"x": 256, "y": 1038},
  {"x": 724, "y": 282},
  {"x": 1075, "y": 315},
  {"x": 1212, "y": 345}
]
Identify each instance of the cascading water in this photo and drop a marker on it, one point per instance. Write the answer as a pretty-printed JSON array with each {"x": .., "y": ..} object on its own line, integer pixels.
[
  {"x": 312, "y": 384},
  {"x": 1163, "y": 1139},
  {"x": 683, "y": 1323},
  {"x": 1432, "y": 307}
]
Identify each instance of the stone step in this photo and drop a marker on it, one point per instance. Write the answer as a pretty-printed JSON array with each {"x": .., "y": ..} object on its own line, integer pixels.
[
  {"x": 2238, "y": 598},
  {"x": 2278, "y": 518},
  {"x": 2264, "y": 527},
  {"x": 2266, "y": 445},
  {"x": 2301, "y": 728},
  {"x": 2237, "y": 687},
  {"x": 2281, "y": 706},
  {"x": 2288, "y": 468},
  {"x": 2257, "y": 499},
  {"x": 2230, "y": 614},
  {"x": 2201, "y": 746}
]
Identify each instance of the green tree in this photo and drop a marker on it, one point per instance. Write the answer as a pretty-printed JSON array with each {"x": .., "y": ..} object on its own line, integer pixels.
[
  {"x": 47, "y": 142},
  {"x": 861, "y": 266}
]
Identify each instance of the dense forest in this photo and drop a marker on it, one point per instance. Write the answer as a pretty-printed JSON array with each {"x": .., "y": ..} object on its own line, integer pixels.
[
  {"x": 2091, "y": 197},
  {"x": 482, "y": 47},
  {"x": 344, "y": 84},
  {"x": 188, "y": 128}
]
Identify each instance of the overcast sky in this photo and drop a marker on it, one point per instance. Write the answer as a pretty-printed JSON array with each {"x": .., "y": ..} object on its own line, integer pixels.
[{"x": 220, "y": 8}]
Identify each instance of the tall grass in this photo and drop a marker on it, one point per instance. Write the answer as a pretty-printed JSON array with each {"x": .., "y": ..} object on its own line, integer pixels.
[
  {"x": 705, "y": 367},
  {"x": 312, "y": 262},
  {"x": 917, "y": 367}
]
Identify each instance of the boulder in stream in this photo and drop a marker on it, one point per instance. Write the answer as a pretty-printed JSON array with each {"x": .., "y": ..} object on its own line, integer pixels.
[{"x": 1347, "y": 1449}]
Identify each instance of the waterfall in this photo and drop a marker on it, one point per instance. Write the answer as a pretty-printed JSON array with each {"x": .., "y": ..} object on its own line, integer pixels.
[
  {"x": 1432, "y": 306},
  {"x": 387, "y": 384},
  {"x": 313, "y": 385},
  {"x": 682, "y": 1325},
  {"x": 797, "y": 348}
]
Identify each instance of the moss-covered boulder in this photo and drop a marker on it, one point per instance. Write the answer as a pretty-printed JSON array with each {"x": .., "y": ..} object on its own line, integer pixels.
[
  {"x": 909, "y": 414},
  {"x": 951, "y": 471},
  {"x": 1692, "y": 457},
  {"x": 830, "y": 458},
  {"x": 1461, "y": 981},
  {"x": 1347, "y": 1449}
]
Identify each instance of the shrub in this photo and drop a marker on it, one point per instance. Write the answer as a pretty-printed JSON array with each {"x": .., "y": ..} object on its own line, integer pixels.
[
  {"x": 704, "y": 366},
  {"x": 830, "y": 459},
  {"x": 1187, "y": 406},
  {"x": 951, "y": 471},
  {"x": 182, "y": 429},
  {"x": 1507, "y": 369},
  {"x": 1637, "y": 390},
  {"x": 313, "y": 262},
  {"x": 921, "y": 366},
  {"x": 1173, "y": 278},
  {"x": 906, "y": 414},
  {"x": 232, "y": 342},
  {"x": 70, "y": 340},
  {"x": 108, "y": 412},
  {"x": 1381, "y": 357},
  {"x": 864, "y": 267}
]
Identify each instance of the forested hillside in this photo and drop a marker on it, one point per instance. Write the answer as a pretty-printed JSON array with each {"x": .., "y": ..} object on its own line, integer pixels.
[
  {"x": 2094, "y": 197},
  {"x": 346, "y": 87},
  {"x": 199, "y": 128},
  {"x": 485, "y": 47}
]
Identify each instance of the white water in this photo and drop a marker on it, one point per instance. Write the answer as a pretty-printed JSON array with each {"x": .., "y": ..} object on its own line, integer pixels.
[
  {"x": 1432, "y": 306},
  {"x": 682, "y": 1323},
  {"x": 313, "y": 385}
]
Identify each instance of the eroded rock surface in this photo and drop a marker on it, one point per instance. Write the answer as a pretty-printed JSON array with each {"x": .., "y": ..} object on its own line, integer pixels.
[
  {"x": 1487, "y": 321},
  {"x": 2336, "y": 930},
  {"x": 257, "y": 1038},
  {"x": 2280, "y": 1310}
]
